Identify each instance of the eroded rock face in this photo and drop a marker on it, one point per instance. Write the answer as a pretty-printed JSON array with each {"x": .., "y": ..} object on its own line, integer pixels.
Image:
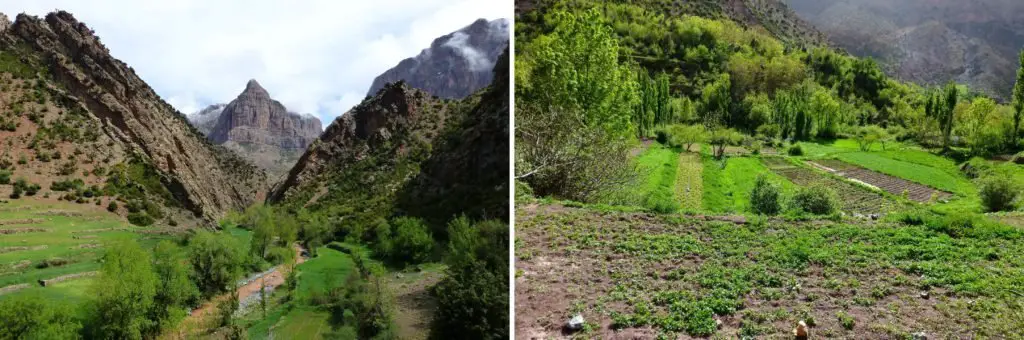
[
  {"x": 255, "y": 118},
  {"x": 455, "y": 65},
  {"x": 203, "y": 178},
  {"x": 929, "y": 42}
]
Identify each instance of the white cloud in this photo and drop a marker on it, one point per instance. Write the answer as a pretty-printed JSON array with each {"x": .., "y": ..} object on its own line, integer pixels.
[{"x": 315, "y": 56}]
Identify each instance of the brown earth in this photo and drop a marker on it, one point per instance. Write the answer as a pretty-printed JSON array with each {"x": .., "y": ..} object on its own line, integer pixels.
[{"x": 892, "y": 185}]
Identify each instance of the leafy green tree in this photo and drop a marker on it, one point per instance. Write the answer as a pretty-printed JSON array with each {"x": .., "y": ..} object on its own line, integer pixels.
[
  {"x": 715, "y": 101},
  {"x": 946, "y": 107},
  {"x": 574, "y": 109},
  {"x": 975, "y": 124},
  {"x": 123, "y": 294},
  {"x": 721, "y": 138},
  {"x": 32, "y": 317},
  {"x": 175, "y": 290},
  {"x": 216, "y": 261},
  {"x": 473, "y": 297},
  {"x": 1018, "y": 101},
  {"x": 688, "y": 135},
  {"x": 411, "y": 242},
  {"x": 867, "y": 136},
  {"x": 826, "y": 111}
]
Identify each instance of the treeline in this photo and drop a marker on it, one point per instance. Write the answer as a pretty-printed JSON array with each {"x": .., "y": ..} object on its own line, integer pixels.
[{"x": 583, "y": 65}]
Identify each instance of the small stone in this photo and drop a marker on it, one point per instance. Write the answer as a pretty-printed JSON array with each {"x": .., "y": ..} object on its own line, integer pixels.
[
  {"x": 925, "y": 295},
  {"x": 919, "y": 336},
  {"x": 800, "y": 332},
  {"x": 718, "y": 323},
  {"x": 576, "y": 323},
  {"x": 874, "y": 217}
]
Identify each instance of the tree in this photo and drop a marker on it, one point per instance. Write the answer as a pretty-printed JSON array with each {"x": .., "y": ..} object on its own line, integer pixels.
[
  {"x": 472, "y": 299},
  {"x": 975, "y": 124},
  {"x": 216, "y": 261},
  {"x": 123, "y": 294},
  {"x": 24, "y": 316},
  {"x": 944, "y": 108},
  {"x": 715, "y": 100},
  {"x": 688, "y": 135},
  {"x": 720, "y": 138},
  {"x": 574, "y": 110},
  {"x": 175, "y": 289},
  {"x": 867, "y": 136},
  {"x": 764, "y": 198},
  {"x": 1018, "y": 101}
]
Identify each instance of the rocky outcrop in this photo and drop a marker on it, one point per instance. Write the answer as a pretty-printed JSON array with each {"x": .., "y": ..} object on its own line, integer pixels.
[
  {"x": 928, "y": 42},
  {"x": 405, "y": 152},
  {"x": 255, "y": 118},
  {"x": 203, "y": 178},
  {"x": 381, "y": 126},
  {"x": 455, "y": 65},
  {"x": 468, "y": 174}
]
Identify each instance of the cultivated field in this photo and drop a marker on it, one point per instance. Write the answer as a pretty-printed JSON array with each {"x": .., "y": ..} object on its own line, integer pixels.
[{"x": 59, "y": 243}]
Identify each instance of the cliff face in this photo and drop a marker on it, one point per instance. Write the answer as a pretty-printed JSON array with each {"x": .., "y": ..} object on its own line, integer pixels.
[
  {"x": 455, "y": 65},
  {"x": 928, "y": 41},
  {"x": 254, "y": 118},
  {"x": 135, "y": 121},
  {"x": 259, "y": 128}
]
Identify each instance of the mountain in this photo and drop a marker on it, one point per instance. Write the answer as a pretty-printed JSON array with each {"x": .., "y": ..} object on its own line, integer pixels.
[
  {"x": 259, "y": 128},
  {"x": 455, "y": 65},
  {"x": 404, "y": 144},
  {"x": 84, "y": 127},
  {"x": 206, "y": 119},
  {"x": 928, "y": 41}
]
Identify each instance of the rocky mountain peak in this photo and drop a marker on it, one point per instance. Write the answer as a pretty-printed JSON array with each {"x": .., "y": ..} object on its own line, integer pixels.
[
  {"x": 253, "y": 89},
  {"x": 455, "y": 65}
]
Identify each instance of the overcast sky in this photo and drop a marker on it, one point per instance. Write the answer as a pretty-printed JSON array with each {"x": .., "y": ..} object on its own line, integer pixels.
[{"x": 315, "y": 56}]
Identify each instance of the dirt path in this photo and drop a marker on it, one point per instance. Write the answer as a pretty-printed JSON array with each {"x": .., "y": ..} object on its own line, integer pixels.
[{"x": 199, "y": 320}]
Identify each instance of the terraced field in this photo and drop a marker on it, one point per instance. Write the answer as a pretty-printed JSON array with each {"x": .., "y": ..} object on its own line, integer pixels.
[
  {"x": 58, "y": 244},
  {"x": 893, "y": 185},
  {"x": 854, "y": 198}
]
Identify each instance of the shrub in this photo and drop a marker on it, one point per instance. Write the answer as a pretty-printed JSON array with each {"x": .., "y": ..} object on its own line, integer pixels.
[
  {"x": 140, "y": 219},
  {"x": 998, "y": 193},
  {"x": 411, "y": 240},
  {"x": 764, "y": 199},
  {"x": 472, "y": 299},
  {"x": 30, "y": 316},
  {"x": 5, "y": 177},
  {"x": 112, "y": 207},
  {"x": 795, "y": 150},
  {"x": 816, "y": 199}
]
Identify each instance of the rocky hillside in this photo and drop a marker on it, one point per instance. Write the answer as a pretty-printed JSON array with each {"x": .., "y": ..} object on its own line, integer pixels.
[
  {"x": 81, "y": 125},
  {"x": 455, "y": 65},
  {"x": 259, "y": 128},
  {"x": 928, "y": 41},
  {"x": 404, "y": 145}
]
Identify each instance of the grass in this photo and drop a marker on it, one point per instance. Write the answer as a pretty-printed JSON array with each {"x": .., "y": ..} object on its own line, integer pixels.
[
  {"x": 655, "y": 186},
  {"x": 322, "y": 272},
  {"x": 303, "y": 324},
  {"x": 727, "y": 189},
  {"x": 71, "y": 232}
]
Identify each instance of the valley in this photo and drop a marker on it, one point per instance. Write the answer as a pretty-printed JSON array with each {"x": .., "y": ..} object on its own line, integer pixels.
[
  {"x": 121, "y": 217},
  {"x": 690, "y": 170}
]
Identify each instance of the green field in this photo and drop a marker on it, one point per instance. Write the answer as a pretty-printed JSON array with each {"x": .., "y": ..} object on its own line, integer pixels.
[{"x": 71, "y": 233}]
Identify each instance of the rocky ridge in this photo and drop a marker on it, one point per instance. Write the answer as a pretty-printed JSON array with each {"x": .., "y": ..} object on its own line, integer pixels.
[
  {"x": 201, "y": 178},
  {"x": 455, "y": 65}
]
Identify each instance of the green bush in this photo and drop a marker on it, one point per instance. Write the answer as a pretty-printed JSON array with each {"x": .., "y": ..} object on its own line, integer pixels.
[
  {"x": 795, "y": 150},
  {"x": 30, "y": 316},
  {"x": 998, "y": 193},
  {"x": 764, "y": 198},
  {"x": 816, "y": 199},
  {"x": 5, "y": 177},
  {"x": 411, "y": 241},
  {"x": 112, "y": 207},
  {"x": 140, "y": 219}
]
